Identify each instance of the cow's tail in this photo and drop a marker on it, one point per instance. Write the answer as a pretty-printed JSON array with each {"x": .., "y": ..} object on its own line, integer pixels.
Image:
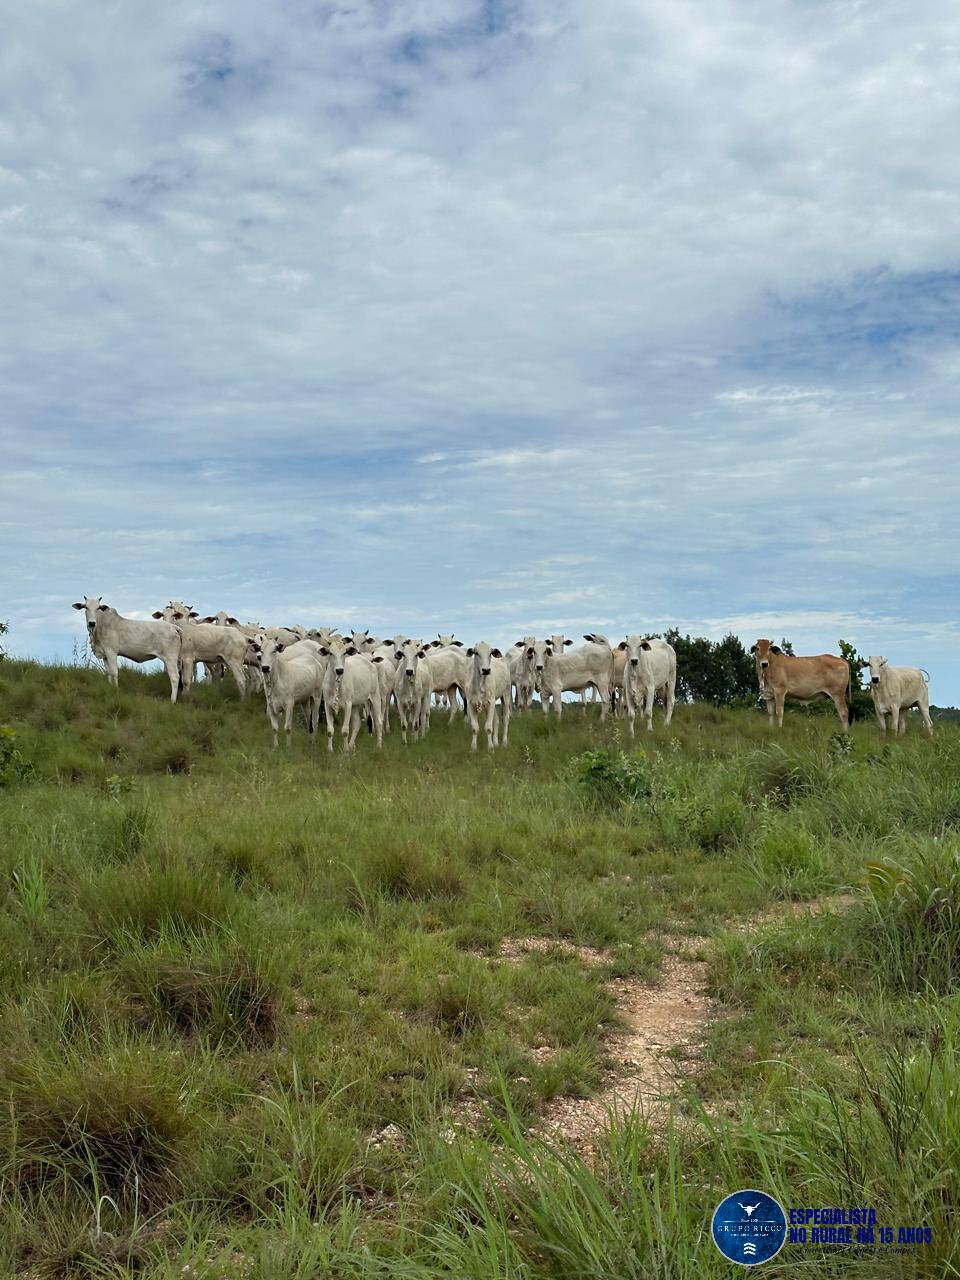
[{"x": 925, "y": 674}]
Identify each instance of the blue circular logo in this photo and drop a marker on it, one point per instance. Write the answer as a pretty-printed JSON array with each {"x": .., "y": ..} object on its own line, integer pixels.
[{"x": 749, "y": 1227}]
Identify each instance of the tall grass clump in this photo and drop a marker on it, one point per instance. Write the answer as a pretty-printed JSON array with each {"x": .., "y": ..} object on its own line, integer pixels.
[{"x": 914, "y": 926}]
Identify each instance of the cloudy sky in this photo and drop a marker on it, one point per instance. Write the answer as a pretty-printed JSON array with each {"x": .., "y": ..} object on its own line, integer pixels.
[{"x": 485, "y": 317}]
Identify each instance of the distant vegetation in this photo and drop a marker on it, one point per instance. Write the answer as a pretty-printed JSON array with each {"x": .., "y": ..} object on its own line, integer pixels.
[{"x": 257, "y": 1021}]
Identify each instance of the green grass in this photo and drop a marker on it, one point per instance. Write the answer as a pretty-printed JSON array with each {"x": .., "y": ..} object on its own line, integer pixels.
[{"x": 226, "y": 970}]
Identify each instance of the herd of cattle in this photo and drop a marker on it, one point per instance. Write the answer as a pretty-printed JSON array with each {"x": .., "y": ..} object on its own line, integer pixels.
[{"x": 360, "y": 676}]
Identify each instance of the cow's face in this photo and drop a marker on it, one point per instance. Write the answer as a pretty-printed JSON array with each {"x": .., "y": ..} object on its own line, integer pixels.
[
  {"x": 94, "y": 608},
  {"x": 445, "y": 642},
  {"x": 360, "y": 640},
  {"x": 337, "y": 649},
  {"x": 762, "y": 651},
  {"x": 408, "y": 657},
  {"x": 267, "y": 649},
  {"x": 559, "y": 642},
  {"x": 483, "y": 655},
  {"x": 876, "y": 665},
  {"x": 537, "y": 654},
  {"x": 634, "y": 647}
]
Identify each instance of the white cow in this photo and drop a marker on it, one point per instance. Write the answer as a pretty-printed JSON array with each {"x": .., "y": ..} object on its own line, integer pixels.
[
  {"x": 112, "y": 636},
  {"x": 650, "y": 668},
  {"x": 350, "y": 685},
  {"x": 896, "y": 690},
  {"x": 488, "y": 682},
  {"x": 590, "y": 664},
  {"x": 292, "y": 677},
  {"x": 412, "y": 689},
  {"x": 447, "y": 667},
  {"x": 207, "y": 643},
  {"x": 520, "y": 659}
]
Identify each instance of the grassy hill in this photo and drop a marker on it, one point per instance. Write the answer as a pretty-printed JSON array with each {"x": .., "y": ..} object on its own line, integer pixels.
[{"x": 264, "y": 1012}]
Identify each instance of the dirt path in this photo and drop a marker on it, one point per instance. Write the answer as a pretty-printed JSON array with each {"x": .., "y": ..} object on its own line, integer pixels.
[{"x": 658, "y": 1045}]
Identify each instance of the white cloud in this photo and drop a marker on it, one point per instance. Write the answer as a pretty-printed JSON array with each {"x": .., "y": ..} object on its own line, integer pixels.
[{"x": 464, "y": 313}]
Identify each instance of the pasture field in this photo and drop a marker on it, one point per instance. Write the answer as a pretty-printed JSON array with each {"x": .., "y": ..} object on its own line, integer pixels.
[{"x": 272, "y": 1014}]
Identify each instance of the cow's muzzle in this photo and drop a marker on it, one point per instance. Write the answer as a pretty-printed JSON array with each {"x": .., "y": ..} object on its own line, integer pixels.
[
  {"x": 409, "y": 673},
  {"x": 874, "y": 679},
  {"x": 91, "y": 624},
  {"x": 339, "y": 670},
  {"x": 485, "y": 671},
  {"x": 265, "y": 670},
  {"x": 764, "y": 665},
  {"x": 634, "y": 662}
]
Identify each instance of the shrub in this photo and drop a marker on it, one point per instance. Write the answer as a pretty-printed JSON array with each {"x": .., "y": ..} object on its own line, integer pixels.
[
  {"x": 125, "y": 830},
  {"x": 13, "y": 767},
  {"x": 409, "y": 871},
  {"x": 720, "y": 825},
  {"x": 610, "y": 779}
]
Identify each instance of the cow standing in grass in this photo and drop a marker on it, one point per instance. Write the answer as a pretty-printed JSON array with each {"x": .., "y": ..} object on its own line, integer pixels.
[
  {"x": 293, "y": 677},
  {"x": 649, "y": 668},
  {"x": 350, "y": 686},
  {"x": 112, "y": 636},
  {"x": 488, "y": 682},
  {"x": 781, "y": 676},
  {"x": 895, "y": 690}
]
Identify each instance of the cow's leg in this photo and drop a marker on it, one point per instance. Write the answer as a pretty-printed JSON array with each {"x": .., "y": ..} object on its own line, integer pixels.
[
  {"x": 188, "y": 669},
  {"x": 603, "y": 689},
  {"x": 881, "y": 717},
  {"x": 902, "y": 729},
  {"x": 474, "y": 725},
  {"x": 288, "y": 722},
  {"x": 378, "y": 717},
  {"x": 648, "y": 697},
  {"x": 274, "y": 721},
  {"x": 240, "y": 677},
  {"x": 769, "y": 703},
  {"x": 172, "y": 668},
  {"x": 778, "y": 699},
  {"x": 840, "y": 702},
  {"x": 491, "y": 724},
  {"x": 351, "y": 725},
  {"x": 331, "y": 723},
  {"x": 505, "y": 736},
  {"x": 923, "y": 705},
  {"x": 451, "y": 695},
  {"x": 668, "y": 701}
]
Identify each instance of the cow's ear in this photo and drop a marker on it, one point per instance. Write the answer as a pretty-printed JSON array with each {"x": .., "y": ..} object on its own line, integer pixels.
[
  {"x": 458, "y": 644},
  {"x": 350, "y": 651},
  {"x": 530, "y": 652},
  {"x": 156, "y": 613},
  {"x": 622, "y": 645},
  {"x": 280, "y": 647},
  {"x": 566, "y": 642},
  {"x": 422, "y": 653},
  {"x": 753, "y": 648},
  {"x": 398, "y": 655},
  {"x": 378, "y": 658},
  {"x": 644, "y": 644},
  {"x": 495, "y": 653},
  {"x": 78, "y": 605},
  {"x": 470, "y": 653},
  {"x": 233, "y": 622},
  {"x": 193, "y": 614},
  {"x": 325, "y": 651},
  {"x": 775, "y": 648},
  {"x": 102, "y": 608}
]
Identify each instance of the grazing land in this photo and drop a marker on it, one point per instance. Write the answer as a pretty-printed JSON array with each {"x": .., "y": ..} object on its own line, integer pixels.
[{"x": 282, "y": 1014}]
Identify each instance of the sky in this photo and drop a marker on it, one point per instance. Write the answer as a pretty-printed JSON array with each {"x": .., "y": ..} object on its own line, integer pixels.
[{"x": 491, "y": 318}]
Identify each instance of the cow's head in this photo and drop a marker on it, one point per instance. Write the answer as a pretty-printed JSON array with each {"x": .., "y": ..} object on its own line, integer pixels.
[
  {"x": 94, "y": 608},
  {"x": 338, "y": 649},
  {"x": 762, "y": 651},
  {"x": 408, "y": 658},
  {"x": 445, "y": 642},
  {"x": 483, "y": 655},
  {"x": 876, "y": 665},
  {"x": 634, "y": 647},
  {"x": 267, "y": 649},
  {"x": 559, "y": 642},
  {"x": 537, "y": 653}
]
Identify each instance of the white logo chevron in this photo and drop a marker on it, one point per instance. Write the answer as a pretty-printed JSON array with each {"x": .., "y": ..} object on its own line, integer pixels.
[{"x": 748, "y": 1247}]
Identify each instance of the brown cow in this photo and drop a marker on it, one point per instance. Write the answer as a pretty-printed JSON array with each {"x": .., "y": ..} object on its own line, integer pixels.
[{"x": 783, "y": 676}]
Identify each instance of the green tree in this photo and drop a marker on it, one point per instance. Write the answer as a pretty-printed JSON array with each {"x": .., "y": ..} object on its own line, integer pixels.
[
  {"x": 4, "y": 628},
  {"x": 719, "y": 671},
  {"x": 861, "y": 704}
]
